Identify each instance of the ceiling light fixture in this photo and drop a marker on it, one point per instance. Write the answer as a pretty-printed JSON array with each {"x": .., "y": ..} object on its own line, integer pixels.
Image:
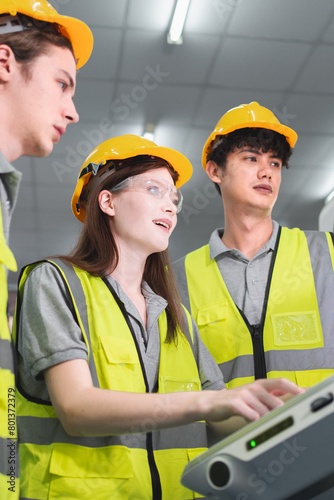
[
  {"x": 149, "y": 131},
  {"x": 329, "y": 197},
  {"x": 175, "y": 31}
]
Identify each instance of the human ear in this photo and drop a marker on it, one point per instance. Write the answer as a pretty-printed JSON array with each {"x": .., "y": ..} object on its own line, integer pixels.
[
  {"x": 7, "y": 62},
  {"x": 212, "y": 170},
  {"x": 106, "y": 202}
]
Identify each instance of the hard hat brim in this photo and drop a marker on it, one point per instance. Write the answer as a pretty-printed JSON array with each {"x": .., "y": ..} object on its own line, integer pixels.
[
  {"x": 290, "y": 135},
  {"x": 177, "y": 160},
  {"x": 75, "y": 30}
]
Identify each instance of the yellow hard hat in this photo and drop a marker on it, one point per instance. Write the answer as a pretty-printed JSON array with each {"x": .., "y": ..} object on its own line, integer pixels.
[
  {"x": 75, "y": 30},
  {"x": 120, "y": 148},
  {"x": 248, "y": 115}
]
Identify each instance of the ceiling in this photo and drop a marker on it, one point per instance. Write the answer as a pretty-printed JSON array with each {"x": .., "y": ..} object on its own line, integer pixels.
[{"x": 277, "y": 52}]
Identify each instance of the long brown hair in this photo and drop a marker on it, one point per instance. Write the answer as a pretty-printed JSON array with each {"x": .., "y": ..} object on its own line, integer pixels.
[{"x": 96, "y": 250}]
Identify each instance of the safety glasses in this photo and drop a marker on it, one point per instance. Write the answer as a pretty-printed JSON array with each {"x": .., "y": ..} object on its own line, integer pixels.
[{"x": 158, "y": 187}]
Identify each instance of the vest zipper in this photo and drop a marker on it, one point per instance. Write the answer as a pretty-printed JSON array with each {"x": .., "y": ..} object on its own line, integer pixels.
[
  {"x": 260, "y": 370},
  {"x": 256, "y": 331}
]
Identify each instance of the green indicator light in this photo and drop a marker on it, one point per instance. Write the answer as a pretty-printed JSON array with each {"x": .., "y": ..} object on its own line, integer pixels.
[{"x": 269, "y": 433}]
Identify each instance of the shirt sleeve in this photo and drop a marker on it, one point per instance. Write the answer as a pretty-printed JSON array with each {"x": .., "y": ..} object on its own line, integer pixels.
[
  {"x": 48, "y": 333},
  {"x": 210, "y": 375}
]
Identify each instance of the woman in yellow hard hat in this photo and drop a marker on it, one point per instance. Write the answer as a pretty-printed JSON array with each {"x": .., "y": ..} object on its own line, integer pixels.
[{"x": 111, "y": 367}]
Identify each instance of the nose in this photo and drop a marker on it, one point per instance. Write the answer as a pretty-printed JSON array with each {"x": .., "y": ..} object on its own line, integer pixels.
[
  {"x": 168, "y": 204},
  {"x": 264, "y": 170},
  {"x": 71, "y": 113}
]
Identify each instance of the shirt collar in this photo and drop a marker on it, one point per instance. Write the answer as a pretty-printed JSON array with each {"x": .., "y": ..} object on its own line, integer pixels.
[
  {"x": 217, "y": 247},
  {"x": 155, "y": 303},
  {"x": 11, "y": 178},
  {"x": 5, "y": 166}
]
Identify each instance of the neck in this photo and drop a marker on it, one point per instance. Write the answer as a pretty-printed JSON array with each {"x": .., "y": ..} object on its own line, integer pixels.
[
  {"x": 247, "y": 234},
  {"x": 10, "y": 145},
  {"x": 129, "y": 277},
  {"x": 131, "y": 265},
  {"x": 8, "y": 148},
  {"x": 129, "y": 274}
]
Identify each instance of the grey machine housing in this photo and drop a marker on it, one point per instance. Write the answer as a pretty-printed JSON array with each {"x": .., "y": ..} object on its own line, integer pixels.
[{"x": 286, "y": 454}]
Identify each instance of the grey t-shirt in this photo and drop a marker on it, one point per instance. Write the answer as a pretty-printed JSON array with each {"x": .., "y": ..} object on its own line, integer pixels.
[
  {"x": 246, "y": 280},
  {"x": 10, "y": 180},
  {"x": 48, "y": 333}
]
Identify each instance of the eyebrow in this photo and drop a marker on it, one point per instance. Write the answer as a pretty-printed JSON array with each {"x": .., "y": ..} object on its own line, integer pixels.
[
  {"x": 66, "y": 73},
  {"x": 256, "y": 152}
]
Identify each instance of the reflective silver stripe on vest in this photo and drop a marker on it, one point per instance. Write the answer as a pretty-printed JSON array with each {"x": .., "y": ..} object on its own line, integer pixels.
[
  {"x": 9, "y": 459},
  {"x": 323, "y": 274},
  {"x": 298, "y": 360},
  {"x": 194, "y": 436},
  {"x": 80, "y": 301},
  {"x": 179, "y": 268},
  {"x": 289, "y": 360},
  {"x": 6, "y": 355},
  {"x": 240, "y": 367},
  {"x": 3, "y": 459},
  {"x": 46, "y": 431}
]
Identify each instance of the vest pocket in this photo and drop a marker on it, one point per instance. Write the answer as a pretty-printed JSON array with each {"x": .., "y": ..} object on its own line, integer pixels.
[
  {"x": 215, "y": 330},
  {"x": 84, "y": 473},
  {"x": 118, "y": 363},
  {"x": 171, "y": 464},
  {"x": 176, "y": 384},
  {"x": 308, "y": 378},
  {"x": 296, "y": 329}
]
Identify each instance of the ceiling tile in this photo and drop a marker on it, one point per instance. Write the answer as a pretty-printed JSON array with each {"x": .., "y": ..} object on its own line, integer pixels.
[
  {"x": 95, "y": 13},
  {"x": 158, "y": 63},
  {"x": 252, "y": 64},
  {"x": 92, "y": 99},
  {"x": 281, "y": 19},
  {"x": 104, "y": 59},
  {"x": 318, "y": 74},
  {"x": 152, "y": 15},
  {"x": 216, "y": 101},
  {"x": 312, "y": 113}
]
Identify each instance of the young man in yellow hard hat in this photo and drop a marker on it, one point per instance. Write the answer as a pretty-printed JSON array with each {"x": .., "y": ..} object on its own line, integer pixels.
[
  {"x": 260, "y": 293},
  {"x": 40, "y": 51}
]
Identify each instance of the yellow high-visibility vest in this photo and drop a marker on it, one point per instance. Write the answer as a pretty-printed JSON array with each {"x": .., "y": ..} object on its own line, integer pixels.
[
  {"x": 295, "y": 339},
  {"x": 138, "y": 465},
  {"x": 9, "y": 459}
]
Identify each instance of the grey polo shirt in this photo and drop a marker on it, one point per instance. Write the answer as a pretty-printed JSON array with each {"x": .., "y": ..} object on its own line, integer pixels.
[
  {"x": 246, "y": 280},
  {"x": 48, "y": 333},
  {"x": 10, "y": 180}
]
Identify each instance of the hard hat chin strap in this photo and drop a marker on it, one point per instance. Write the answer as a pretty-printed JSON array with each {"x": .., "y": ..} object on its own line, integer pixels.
[
  {"x": 10, "y": 24},
  {"x": 99, "y": 171},
  {"x": 20, "y": 22}
]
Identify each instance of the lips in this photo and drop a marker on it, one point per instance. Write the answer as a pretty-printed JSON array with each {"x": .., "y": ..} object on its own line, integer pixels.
[
  {"x": 60, "y": 130},
  {"x": 264, "y": 188},
  {"x": 163, "y": 223}
]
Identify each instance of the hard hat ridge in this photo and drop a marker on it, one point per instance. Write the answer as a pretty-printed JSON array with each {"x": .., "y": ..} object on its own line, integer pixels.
[
  {"x": 251, "y": 115},
  {"x": 102, "y": 158},
  {"x": 42, "y": 11}
]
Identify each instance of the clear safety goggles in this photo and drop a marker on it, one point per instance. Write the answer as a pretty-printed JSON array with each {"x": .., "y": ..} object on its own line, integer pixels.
[{"x": 158, "y": 187}]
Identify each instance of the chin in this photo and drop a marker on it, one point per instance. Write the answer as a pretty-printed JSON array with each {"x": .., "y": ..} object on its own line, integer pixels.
[
  {"x": 159, "y": 249},
  {"x": 40, "y": 151}
]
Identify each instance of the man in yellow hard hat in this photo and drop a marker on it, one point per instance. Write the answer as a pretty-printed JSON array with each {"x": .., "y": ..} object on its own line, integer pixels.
[
  {"x": 260, "y": 293},
  {"x": 40, "y": 51}
]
